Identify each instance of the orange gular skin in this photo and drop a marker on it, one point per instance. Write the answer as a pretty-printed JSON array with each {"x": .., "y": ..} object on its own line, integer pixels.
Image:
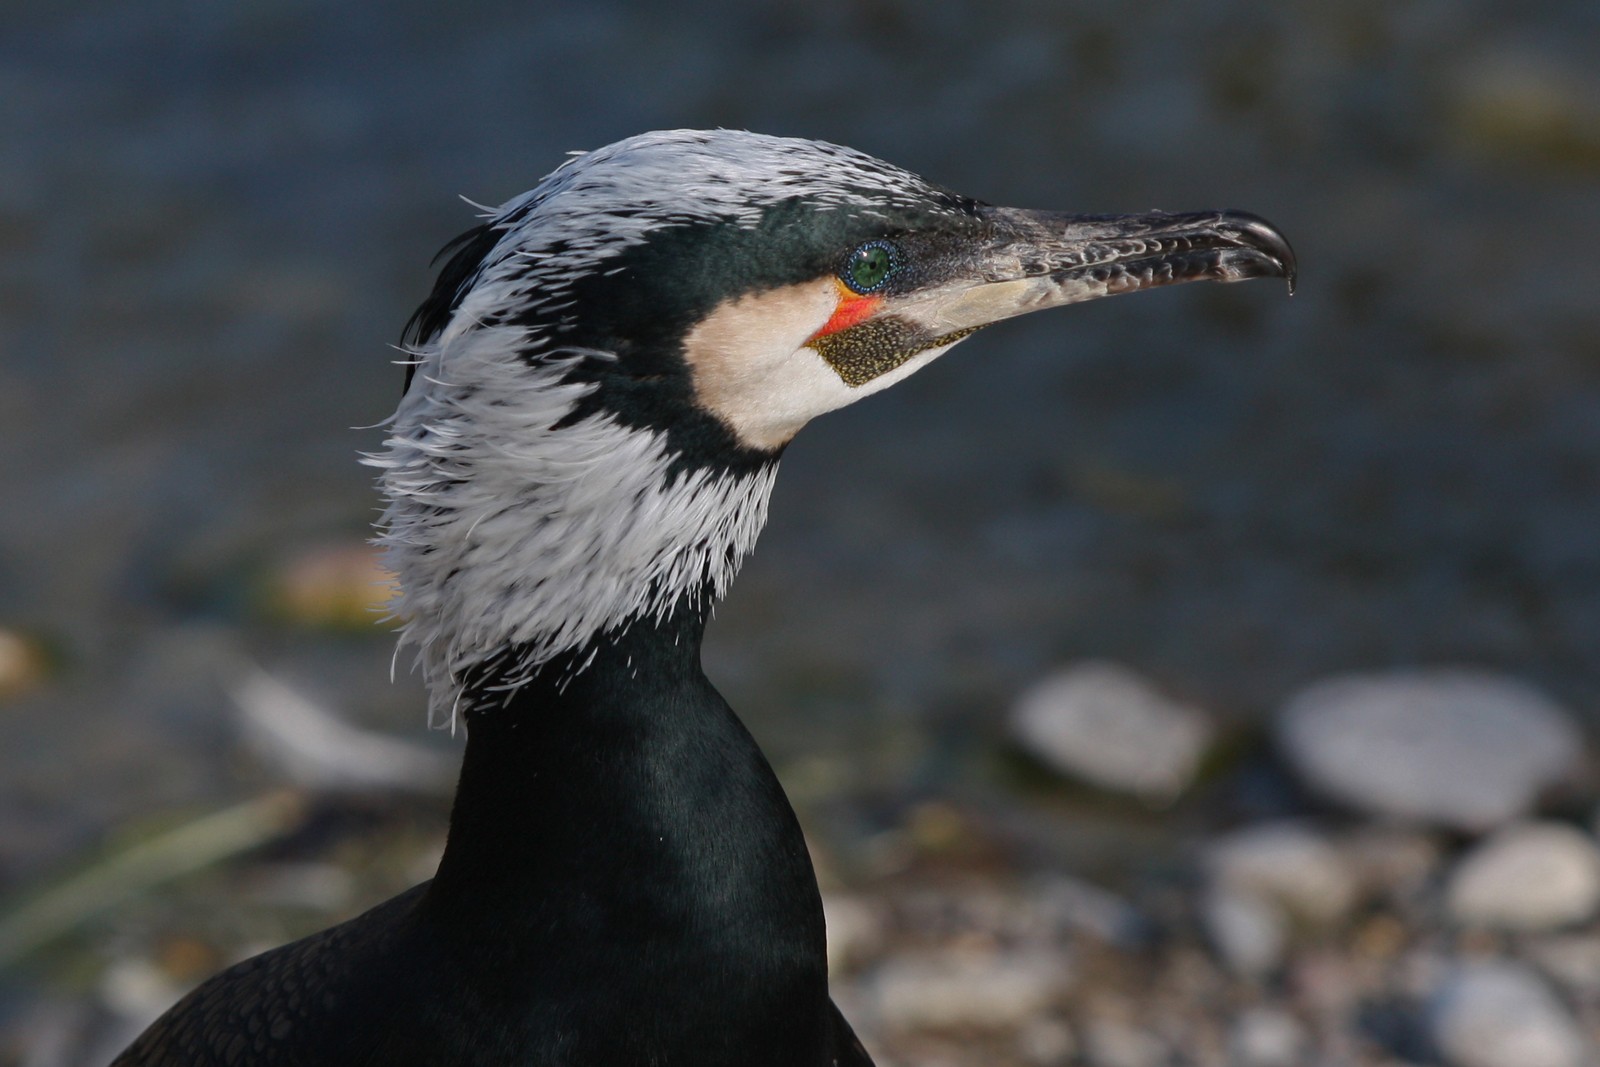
[{"x": 852, "y": 310}]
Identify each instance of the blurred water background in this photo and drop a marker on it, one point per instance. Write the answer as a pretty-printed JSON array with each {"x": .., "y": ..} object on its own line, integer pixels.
[{"x": 215, "y": 217}]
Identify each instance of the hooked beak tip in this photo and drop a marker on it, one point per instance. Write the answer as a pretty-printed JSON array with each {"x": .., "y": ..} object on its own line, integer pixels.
[{"x": 1267, "y": 239}]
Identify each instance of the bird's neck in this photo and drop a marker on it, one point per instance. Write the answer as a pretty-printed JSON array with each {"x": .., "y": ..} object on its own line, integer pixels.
[{"x": 625, "y": 811}]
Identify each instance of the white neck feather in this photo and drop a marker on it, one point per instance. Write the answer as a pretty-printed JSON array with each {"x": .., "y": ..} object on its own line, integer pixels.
[{"x": 508, "y": 534}]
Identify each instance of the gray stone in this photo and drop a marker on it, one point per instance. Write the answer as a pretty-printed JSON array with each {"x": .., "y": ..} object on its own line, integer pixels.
[
  {"x": 1248, "y": 932},
  {"x": 1102, "y": 723},
  {"x": 1501, "y": 1014},
  {"x": 1464, "y": 749},
  {"x": 1529, "y": 876},
  {"x": 1288, "y": 863}
]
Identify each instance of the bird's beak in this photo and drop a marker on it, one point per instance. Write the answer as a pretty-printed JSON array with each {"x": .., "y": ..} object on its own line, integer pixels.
[
  {"x": 1031, "y": 260},
  {"x": 952, "y": 280}
]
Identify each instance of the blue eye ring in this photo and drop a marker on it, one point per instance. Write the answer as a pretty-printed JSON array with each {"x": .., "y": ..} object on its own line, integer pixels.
[{"x": 870, "y": 266}]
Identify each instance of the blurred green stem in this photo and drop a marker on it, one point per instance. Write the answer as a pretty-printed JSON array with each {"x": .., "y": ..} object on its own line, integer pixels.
[{"x": 46, "y": 914}]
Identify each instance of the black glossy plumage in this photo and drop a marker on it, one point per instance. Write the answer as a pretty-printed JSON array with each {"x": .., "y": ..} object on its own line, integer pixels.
[{"x": 625, "y": 884}]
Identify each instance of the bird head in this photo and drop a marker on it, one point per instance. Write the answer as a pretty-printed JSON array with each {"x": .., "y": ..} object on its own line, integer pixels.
[{"x": 610, "y": 364}]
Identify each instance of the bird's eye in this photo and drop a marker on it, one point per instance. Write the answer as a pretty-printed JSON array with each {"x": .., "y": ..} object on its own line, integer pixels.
[{"x": 870, "y": 266}]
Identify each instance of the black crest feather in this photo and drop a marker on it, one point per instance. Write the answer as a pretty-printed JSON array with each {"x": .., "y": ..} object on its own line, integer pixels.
[{"x": 466, "y": 253}]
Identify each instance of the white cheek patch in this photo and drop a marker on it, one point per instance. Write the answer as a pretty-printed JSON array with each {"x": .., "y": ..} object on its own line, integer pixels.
[{"x": 753, "y": 370}]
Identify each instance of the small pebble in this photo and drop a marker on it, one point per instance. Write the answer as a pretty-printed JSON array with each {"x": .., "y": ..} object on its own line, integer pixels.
[
  {"x": 1288, "y": 863},
  {"x": 1327, "y": 982},
  {"x": 343, "y": 586},
  {"x": 1083, "y": 907},
  {"x": 323, "y": 887},
  {"x": 1530, "y": 876},
  {"x": 1393, "y": 862},
  {"x": 1462, "y": 749},
  {"x": 1112, "y": 1043},
  {"x": 1501, "y": 1014},
  {"x": 23, "y": 664},
  {"x": 1105, "y": 725},
  {"x": 1266, "y": 1037},
  {"x": 1046, "y": 1042},
  {"x": 855, "y": 929},
  {"x": 1573, "y": 960},
  {"x": 137, "y": 989},
  {"x": 1249, "y": 933},
  {"x": 986, "y": 990}
]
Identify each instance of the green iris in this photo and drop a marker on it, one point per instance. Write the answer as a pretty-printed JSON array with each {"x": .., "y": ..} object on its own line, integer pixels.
[{"x": 869, "y": 266}]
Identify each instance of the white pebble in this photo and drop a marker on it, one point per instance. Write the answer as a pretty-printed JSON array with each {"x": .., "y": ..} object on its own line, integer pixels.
[
  {"x": 1464, "y": 749},
  {"x": 1266, "y": 1037},
  {"x": 855, "y": 929},
  {"x": 1500, "y": 1014},
  {"x": 1531, "y": 876},
  {"x": 1104, "y": 724},
  {"x": 1250, "y": 934},
  {"x": 931, "y": 990},
  {"x": 1288, "y": 863},
  {"x": 137, "y": 989},
  {"x": 1110, "y": 1043}
]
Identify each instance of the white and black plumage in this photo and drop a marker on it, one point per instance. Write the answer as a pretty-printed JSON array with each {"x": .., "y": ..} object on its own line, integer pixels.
[{"x": 603, "y": 380}]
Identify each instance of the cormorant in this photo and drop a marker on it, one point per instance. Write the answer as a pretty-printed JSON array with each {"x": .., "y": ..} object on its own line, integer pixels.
[{"x": 603, "y": 379}]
